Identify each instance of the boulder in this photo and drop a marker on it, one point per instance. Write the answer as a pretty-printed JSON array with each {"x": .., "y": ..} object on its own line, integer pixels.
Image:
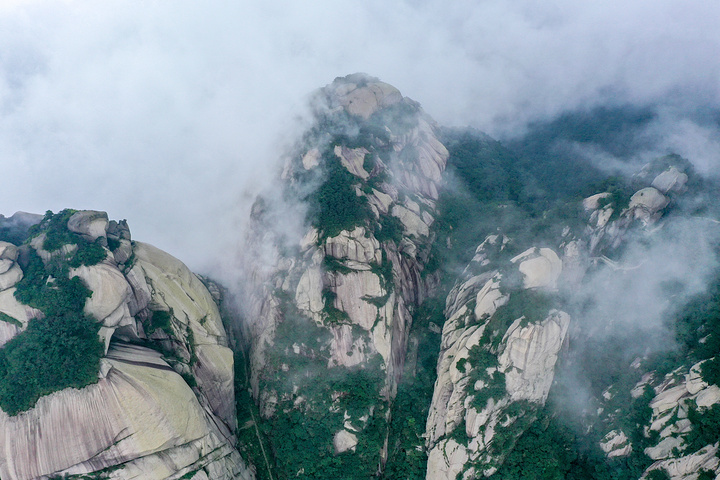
[
  {"x": 88, "y": 223},
  {"x": 362, "y": 95},
  {"x": 354, "y": 245},
  {"x": 541, "y": 267},
  {"x": 353, "y": 160},
  {"x": 10, "y": 277},
  {"x": 414, "y": 226},
  {"x": 671, "y": 180},
  {"x": 647, "y": 204},
  {"x": 353, "y": 292},
  {"x": 593, "y": 202},
  {"x": 10, "y": 306},
  {"x": 446, "y": 461},
  {"x": 708, "y": 396},
  {"x": 110, "y": 293},
  {"x": 616, "y": 444},
  {"x": 308, "y": 294},
  {"x": 530, "y": 355},
  {"x": 311, "y": 159},
  {"x": 344, "y": 441},
  {"x": 8, "y": 251},
  {"x": 664, "y": 448}
]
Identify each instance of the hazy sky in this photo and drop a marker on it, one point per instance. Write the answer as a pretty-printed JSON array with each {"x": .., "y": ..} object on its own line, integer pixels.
[{"x": 172, "y": 113}]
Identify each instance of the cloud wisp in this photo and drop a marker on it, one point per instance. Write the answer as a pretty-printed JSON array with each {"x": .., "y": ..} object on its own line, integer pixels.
[{"x": 173, "y": 114}]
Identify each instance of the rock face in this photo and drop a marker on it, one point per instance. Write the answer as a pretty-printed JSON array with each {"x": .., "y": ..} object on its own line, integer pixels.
[
  {"x": 142, "y": 419},
  {"x": 352, "y": 287},
  {"x": 496, "y": 361}
]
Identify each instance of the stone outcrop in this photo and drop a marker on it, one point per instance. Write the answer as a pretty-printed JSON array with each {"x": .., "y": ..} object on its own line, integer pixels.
[
  {"x": 540, "y": 267},
  {"x": 361, "y": 95},
  {"x": 483, "y": 386},
  {"x": 142, "y": 419},
  {"x": 360, "y": 285},
  {"x": 647, "y": 204},
  {"x": 671, "y": 180}
]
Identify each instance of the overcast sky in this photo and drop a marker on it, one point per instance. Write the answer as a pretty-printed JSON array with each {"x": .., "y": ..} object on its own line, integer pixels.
[{"x": 171, "y": 114}]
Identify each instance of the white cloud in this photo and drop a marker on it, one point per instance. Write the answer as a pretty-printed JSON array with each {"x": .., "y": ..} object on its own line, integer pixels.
[{"x": 168, "y": 113}]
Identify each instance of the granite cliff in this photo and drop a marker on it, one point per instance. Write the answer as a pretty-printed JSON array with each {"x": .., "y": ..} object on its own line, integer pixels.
[
  {"x": 157, "y": 400},
  {"x": 418, "y": 302}
]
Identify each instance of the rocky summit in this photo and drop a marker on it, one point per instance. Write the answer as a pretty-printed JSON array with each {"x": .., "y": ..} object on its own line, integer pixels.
[{"x": 418, "y": 302}]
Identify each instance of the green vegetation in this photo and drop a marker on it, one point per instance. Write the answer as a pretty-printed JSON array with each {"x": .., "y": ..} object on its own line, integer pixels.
[
  {"x": 407, "y": 457},
  {"x": 88, "y": 254},
  {"x": 57, "y": 235},
  {"x": 4, "y": 317},
  {"x": 113, "y": 244},
  {"x": 48, "y": 289},
  {"x": 543, "y": 452},
  {"x": 160, "y": 319},
  {"x": 658, "y": 474},
  {"x": 332, "y": 264},
  {"x": 54, "y": 353},
  {"x": 335, "y": 206},
  {"x": 705, "y": 427},
  {"x": 480, "y": 360},
  {"x": 60, "y": 350},
  {"x": 533, "y": 305},
  {"x": 391, "y": 229},
  {"x": 333, "y": 315},
  {"x": 311, "y": 403}
]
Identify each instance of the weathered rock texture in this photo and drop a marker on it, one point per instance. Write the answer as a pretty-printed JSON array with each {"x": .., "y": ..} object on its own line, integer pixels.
[
  {"x": 496, "y": 363},
  {"x": 358, "y": 287},
  {"x": 141, "y": 419}
]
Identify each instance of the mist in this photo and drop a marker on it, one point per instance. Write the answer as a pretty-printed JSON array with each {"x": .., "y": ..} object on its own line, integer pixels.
[{"x": 173, "y": 115}]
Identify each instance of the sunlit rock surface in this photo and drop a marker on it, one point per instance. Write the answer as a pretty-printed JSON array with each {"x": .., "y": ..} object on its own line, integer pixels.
[{"x": 141, "y": 419}]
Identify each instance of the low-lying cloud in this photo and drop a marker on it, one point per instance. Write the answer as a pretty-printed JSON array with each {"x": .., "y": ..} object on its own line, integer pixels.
[{"x": 173, "y": 114}]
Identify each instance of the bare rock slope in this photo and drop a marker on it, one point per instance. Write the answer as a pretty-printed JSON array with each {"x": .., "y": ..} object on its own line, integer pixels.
[{"x": 162, "y": 403}]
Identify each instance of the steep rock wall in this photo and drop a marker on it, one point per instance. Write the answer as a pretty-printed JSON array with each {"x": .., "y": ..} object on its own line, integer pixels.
[
  {"x": 353, "y": 286},
  {"x": 154, "y": 414}
]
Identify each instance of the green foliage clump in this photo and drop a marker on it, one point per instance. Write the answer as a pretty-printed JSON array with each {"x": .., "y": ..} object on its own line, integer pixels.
[
  {"x": 705, "y": 427},
  {"x": 48, "y": 288},
  {"x": 62, "y": 349},
  {"x": 55, "y": 229},
  {"x": 658, "y": 474},
  {"x": 88, "y": 254},
  {"x": 620, "y": 192},
  {"x": 333, "y": 315},
  {"x": 543, "y": 452},
  {"x": 481, "y": 360},
  {"x": 332, "y": 264},
  {"x": 57, "y": 235},
  {"x": 4, "y": 317},
  {"x": 533, "y": 305},
  {"x": 54, "y": 353},
  {"x": 335, "y": 205},
  {"x": 517, "y": 417},
  {"x": 113, "y": 244},
  {"x": 706, "y": 475},
  {"x": 160, "y": 319},
  {"x": 391, "y": 229}
]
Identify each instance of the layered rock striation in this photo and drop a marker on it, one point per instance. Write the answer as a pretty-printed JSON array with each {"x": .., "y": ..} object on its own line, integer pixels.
[{"x": 161, "y": 405}]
